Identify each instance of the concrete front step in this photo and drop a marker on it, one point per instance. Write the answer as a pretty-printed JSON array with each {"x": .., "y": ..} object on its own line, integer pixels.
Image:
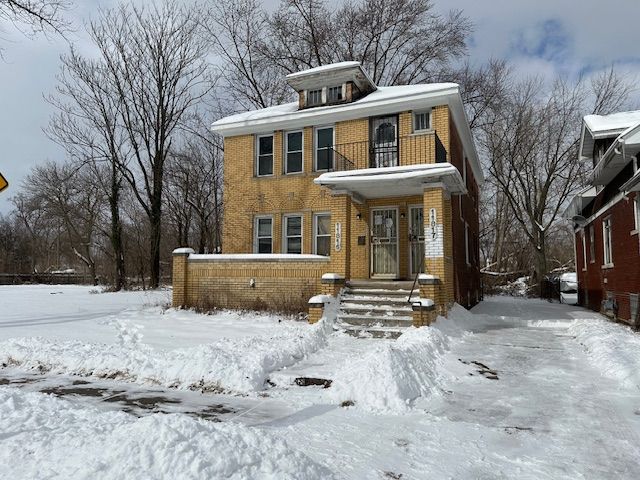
[
  {"x": 381, "y": 284},
  {"x": 376, "y": 309},
  {"x": 372, "y": 332},
  {"x": 375, "y": 320},
  {"x": 375, "y": 300},
  {"x": 400, "y": 292}
]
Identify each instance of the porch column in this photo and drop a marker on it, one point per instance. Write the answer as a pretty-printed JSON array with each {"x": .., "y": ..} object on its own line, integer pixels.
[
  {"x": 180, "y": 272},
  {"x": 438, "y": 250},
  {"x": 341, "y": 233}
]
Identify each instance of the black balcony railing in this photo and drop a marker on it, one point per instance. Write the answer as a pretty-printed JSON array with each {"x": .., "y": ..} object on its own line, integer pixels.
[{"x": 409, "y": 150}]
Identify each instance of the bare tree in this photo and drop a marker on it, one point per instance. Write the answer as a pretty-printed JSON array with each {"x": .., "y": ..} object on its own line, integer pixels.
[
  {"x": 532, "y": 139},
  {"x": 33, "y": 16},
  {"x": 86, "y": 125},
  {"x": 398, "y": 42},
  {"x": 155, "y": 66}
]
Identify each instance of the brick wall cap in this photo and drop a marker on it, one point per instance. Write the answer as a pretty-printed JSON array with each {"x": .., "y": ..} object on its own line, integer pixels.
[
  {"x": 258, "y": 257},
  {"x": 332, "y": 278},
  {"x": 319, "y": 300},
  {"x": 425, "y": 279},
  {"x": 423, "y": 304},
  {"x": 184, "y": 251}
]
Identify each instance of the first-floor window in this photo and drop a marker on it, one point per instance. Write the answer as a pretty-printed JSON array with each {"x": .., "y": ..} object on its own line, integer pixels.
[
  {"x": 606, "y": 241},
  {"x": 636, "y": 211},
  {"x": 293, "y": 234},
  {"x": 592, "y": 244},
  {"x": 264, "y": 235},
  {"x": 322, "y": 230}
]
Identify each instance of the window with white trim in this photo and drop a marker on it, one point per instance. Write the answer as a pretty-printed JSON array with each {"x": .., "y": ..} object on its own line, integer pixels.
[
  {"x": 314, "y": 97},
  {"x": 334, "y": 94},
  {"x": 322, "y": 234},
  {"x": 421, "y": 121},
  {"x": 592, "y": 244},
  {"x": 264, "y": 158},
  {"x": 263, "y": 237},
  {"x": 584, "y": 250},
  {"x": 606, "y": 241},
  {"x": 292, "y": 234},
  {"x": 293, "y": 152},
  {"x": 323, "y": 150},
  {"x": 636, "y": 212}
]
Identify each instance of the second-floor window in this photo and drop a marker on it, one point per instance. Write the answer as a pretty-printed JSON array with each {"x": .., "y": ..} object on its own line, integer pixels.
[
  {"x": 324, "y": 145},
  {"x": 334, "y": 94},
  {"x": 421, "y": 121},
  {"x": 314, "y": 97},
  {"x": 293, "y": 152},
  {"x": 264, "y": 162},
  {"x": 606, "y": 242}
]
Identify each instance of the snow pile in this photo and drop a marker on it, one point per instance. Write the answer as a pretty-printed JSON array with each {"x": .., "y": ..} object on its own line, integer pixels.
[
  {"x": 391, "y": 376},
  {"x": 613, "y": 348},
  {"x": 238, "y": 365},
  {"x": 46, "y": 437}
]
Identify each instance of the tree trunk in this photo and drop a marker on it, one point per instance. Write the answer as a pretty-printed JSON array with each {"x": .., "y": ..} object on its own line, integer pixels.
[
  {"x": 119, "y": 281},
  {"x": 155, "y": 224},
  {"x": 541, "y": 262}
]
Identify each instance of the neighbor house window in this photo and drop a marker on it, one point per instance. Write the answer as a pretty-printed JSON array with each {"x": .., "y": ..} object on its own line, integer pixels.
[
  {"x": 324, "y": 145},
  {"x": 636, "y": 212},
  {"x": 264, "y": 162},
  {"x": 292, "y": 234},
  {"x": 322, "y": 234},
  {"x": 314, "y": 97},
  {"x": 263, "y": 242},
  {"x": 421, "y": 121},
  {"x": 592, "y": 244},
  {"x": 467, "y": 244},
  {"x": 606, "y": 241},
  {"x": 293, "y": 152},
  {"x": 584, "y": 250},
  {"x": 334, "y": 94}
]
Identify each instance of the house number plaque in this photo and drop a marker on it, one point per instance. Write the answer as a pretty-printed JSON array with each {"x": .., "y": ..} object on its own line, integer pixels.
[{"x": 338, "y": 239}]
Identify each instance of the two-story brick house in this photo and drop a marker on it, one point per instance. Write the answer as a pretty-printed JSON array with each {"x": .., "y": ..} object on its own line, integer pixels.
[
  {"x": 606, "y": 216},
  {"x": 364, "y": 182}
]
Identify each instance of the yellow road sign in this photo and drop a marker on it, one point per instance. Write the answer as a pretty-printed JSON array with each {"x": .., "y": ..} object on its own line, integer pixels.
[{"x": 3, "y": 183}]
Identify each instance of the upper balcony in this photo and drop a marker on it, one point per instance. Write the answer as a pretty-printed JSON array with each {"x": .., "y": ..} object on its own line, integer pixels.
[{"x": 409, "y": 150}]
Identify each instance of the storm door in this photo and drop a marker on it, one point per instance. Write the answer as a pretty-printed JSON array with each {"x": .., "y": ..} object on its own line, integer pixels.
[
  {"x": 416, "y": 240},
  {"x": 384, "y": 141},
  {"x": 384, "y": 243}
]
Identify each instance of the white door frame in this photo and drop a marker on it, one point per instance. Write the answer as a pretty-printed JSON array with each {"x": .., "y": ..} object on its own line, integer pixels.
[{"x": 371, "y": 219}]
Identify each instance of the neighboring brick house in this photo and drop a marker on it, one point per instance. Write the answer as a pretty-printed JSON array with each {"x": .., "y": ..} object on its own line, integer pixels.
[
  {"x": 360, "y": 181},
  {"x": 605, "y": 215}
]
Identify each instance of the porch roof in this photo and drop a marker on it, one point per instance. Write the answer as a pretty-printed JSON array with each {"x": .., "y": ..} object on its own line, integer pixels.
[{"x": 393, "y": 181}]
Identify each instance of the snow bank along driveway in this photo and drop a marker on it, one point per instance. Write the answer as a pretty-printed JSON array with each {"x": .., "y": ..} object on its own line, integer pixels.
[{"x": 518, "y": 389}]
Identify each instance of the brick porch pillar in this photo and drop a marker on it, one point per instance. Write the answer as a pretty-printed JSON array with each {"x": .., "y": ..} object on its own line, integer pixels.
[
  {"x": 439, "y": 244},
  {"x": 341, "y": 232},
  {"x": 180, "y": 273},
  {"x": 332, "y": 283}
]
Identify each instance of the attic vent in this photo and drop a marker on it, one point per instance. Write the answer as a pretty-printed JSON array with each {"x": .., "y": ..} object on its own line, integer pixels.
[{"x": 314, "y": 97}]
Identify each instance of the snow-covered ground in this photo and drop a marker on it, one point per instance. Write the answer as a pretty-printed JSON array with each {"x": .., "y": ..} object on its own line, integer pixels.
[{"x": 517, "y": 389}]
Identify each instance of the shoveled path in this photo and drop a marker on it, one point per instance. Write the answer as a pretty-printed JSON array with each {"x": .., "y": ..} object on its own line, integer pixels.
[{"x": 522, "y": 402}]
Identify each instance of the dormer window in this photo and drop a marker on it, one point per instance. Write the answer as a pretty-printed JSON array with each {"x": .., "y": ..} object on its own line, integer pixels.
[
  {"x": 334, "y": 94},
  {"x": 314, "y": 97}
]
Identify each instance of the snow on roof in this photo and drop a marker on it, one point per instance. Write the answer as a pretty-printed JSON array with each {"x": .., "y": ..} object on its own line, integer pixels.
[
  {"x": 324, "y": 69},
  {"x": 290, "y": 111},
  {"x": 615, "y": 122}
]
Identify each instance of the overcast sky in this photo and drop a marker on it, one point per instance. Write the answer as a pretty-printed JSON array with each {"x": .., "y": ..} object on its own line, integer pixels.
[{"x": 545, "y": 37}]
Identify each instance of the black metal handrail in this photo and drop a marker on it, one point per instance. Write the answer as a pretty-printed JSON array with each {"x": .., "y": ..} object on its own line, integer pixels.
[
  {"x": 407, "y": 150},
  {"x": 415, "y": 280}
]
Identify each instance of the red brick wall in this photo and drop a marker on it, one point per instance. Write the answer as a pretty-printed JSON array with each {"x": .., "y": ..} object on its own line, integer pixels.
[
  {"x": 624, "y": 277},
  {"x": 466, "y": 277}
]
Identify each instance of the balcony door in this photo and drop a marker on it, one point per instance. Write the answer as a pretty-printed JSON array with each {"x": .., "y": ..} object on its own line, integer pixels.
[
  {"x": 384, "y": 243},
  {"x": 384, "y": 141}
]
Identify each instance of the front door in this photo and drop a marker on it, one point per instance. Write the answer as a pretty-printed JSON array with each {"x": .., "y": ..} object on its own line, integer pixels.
[
  {"x": 384, "y": 243},
  {"x": 416, "y": 240},
  {"x": 384, "y": 141}
]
